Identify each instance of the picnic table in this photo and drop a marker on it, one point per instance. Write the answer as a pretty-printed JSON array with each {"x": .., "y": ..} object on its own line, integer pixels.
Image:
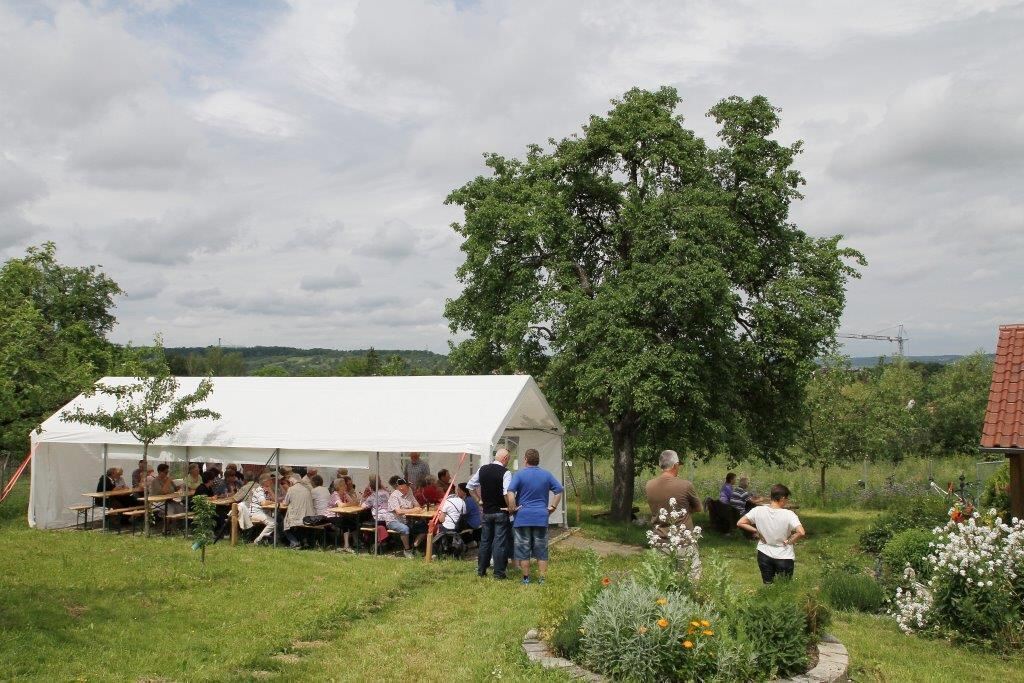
[
  {"x": 113, "y": 492},
  {"x": 347, "y": 509}
]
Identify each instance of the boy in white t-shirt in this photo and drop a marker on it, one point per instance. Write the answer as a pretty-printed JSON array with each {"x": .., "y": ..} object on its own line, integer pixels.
[{"x": 777, "y": 530}]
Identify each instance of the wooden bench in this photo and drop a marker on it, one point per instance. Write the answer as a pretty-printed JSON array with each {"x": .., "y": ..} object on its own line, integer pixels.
[
  {"x": 133, "y": 515},
  {"x": 319, "y": 527},
  {"x": 122, "y": 513},
  {"x": 82, "y": 512}
]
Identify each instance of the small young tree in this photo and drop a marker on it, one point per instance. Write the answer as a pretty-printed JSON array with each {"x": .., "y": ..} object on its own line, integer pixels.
[
  {"x": 148, "y": 409},
  {"x": 203, "y": 524},
  {"x": 833, "y": 431}
]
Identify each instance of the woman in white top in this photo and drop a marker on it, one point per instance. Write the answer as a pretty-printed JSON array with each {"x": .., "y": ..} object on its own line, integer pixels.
[{"x": 777, "y": 530}]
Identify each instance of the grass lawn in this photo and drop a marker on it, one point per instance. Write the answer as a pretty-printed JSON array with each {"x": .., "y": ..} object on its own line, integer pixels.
[{"x": 97, "y": 607}]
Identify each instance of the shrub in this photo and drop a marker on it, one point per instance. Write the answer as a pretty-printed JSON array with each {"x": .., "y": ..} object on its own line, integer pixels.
[
  {"x": 918, "y": 513},
  {"x": 974, "y": 593},
  {"x": 853, "y": 592},
  {"x": 997, "y": 490},
  {"x": 638, "y": 633},
  {"x": 909, "y": 547},
  {"x": 775, "y": 627},
  {"x": 565, "y": 639}
]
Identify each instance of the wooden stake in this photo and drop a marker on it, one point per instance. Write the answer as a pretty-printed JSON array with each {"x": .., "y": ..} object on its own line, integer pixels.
[{"x": 234, "y": 524}]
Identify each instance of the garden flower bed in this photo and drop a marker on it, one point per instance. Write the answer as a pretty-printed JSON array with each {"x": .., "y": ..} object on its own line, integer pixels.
[
  {"x": 673, "y": 620},
  {"x": 830, "y": 664}
]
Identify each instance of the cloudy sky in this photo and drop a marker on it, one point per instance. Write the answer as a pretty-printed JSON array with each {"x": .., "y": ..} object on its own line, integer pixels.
[{"x": 270, "y": 172}]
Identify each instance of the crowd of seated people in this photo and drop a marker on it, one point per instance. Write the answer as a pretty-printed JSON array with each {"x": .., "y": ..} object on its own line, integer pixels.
[{"x": 306, "y": 497}]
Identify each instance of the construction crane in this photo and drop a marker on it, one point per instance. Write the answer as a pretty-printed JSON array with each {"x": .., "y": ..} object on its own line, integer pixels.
[{"x": 899, "y": 338}]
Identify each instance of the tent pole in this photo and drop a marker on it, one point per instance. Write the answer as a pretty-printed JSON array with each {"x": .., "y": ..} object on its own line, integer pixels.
[
  {"x": 184, "y": 480},
  {"x": 277, "y": 490},
  {"x": 104, "y": 479},
  {"x": 377, "y": 501}
]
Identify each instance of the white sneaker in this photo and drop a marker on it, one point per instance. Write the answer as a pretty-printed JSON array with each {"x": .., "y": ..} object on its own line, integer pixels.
[
  {"x": 408, "y": 553},
  {"x": 348, "y": 550}
]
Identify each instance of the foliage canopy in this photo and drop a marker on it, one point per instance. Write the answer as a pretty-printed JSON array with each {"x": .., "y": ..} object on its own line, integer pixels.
[{"x": 652, "y": 280}]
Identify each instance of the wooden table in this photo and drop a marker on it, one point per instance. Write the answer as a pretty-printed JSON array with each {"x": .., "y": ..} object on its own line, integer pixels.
[
  {"x": 348, "y": 509},
  {"x": 113, "y": 492},
  {"x": 422, "y": 514}
]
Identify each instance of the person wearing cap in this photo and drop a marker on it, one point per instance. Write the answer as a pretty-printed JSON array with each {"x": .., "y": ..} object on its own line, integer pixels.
[{"x": 401, "y": 502}]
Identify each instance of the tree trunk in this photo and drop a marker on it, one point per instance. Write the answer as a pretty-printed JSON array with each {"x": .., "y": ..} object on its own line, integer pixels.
[
  {"x": 823, "y": 482},
  {"x": 590, "y": 478},
  {"x": 202, "y": 554},
  {"x": 624, "y": 435},
  {"x": 145, "y": 488}
]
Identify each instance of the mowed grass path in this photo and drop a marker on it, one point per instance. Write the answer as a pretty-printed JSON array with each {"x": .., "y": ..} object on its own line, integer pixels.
[{"x": 101, "y": 607}]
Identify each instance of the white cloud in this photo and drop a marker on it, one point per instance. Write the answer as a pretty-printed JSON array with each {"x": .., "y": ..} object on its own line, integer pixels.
[
  {"x": 279, "y": 178},
  {"x": 241, "y": 112}
]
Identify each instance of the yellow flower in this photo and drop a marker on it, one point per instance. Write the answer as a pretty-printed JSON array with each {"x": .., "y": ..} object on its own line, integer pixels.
[
  {"x": 662, "y": 601},
  {"x": 663, "y": 622},
  {"x": 705, "y": 624},
  {"x": 709, "y": 632},
  {"x": 687, "y": 644},
  {"x": 642, "y": 630},
  {"x": 695, "y": 623}
]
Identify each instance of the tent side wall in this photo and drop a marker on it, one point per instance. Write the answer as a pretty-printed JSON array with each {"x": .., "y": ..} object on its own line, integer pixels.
[
  {"x": 61, "y": 473},
  {"x": 550, "y": 448}
]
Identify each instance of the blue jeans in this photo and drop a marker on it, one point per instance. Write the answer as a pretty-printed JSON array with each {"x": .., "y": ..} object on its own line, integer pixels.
[{"x": 495, "y": 544}]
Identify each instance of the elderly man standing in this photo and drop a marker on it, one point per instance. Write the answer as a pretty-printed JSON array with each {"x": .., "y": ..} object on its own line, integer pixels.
[
  {"x": 299, "y": 500},
  {"x": 667, "y": 487},
  {"x": 488, "y": 485},
  {"x": 529, "y": 498},
  {"x": 415, "y": 471}
]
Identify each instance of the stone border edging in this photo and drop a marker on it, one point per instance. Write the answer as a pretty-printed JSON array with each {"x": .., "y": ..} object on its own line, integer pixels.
[{"x": 833, "y": 661}]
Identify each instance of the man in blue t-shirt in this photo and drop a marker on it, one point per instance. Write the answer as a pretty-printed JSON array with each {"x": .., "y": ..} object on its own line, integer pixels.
[{"x": 532, "y": 509}]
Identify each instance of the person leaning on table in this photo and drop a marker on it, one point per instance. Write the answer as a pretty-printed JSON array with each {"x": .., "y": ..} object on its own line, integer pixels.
[{"x": 777, "y": 530}]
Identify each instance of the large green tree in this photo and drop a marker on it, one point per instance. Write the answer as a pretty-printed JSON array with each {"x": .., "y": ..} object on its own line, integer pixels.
[
  {"x": 959, "y": 394},
  {"x": 53, "y": 324},
  {"x": 652, "y": 280}
]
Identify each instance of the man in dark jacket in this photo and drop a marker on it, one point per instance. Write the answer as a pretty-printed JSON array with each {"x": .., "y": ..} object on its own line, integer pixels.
[{"x": 489, "y": 484}]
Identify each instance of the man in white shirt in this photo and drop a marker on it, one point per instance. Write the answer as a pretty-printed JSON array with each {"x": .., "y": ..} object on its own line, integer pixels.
[
  {"x": 777, "y": 529},
  {"x": 401, "y": 502},
  {"x": 452, "y": 509}
]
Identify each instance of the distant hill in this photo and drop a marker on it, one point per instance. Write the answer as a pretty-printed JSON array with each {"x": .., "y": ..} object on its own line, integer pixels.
[
  {"x": 298, "y": 362},
  {"x": 869, "y": 361}
]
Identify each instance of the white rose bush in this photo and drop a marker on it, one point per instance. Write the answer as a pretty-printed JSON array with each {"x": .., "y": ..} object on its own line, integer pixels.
[{"x": 976, "y": 591}]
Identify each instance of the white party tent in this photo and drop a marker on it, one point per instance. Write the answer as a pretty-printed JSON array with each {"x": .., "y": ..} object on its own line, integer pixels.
[{"x": 362, "y": 423}]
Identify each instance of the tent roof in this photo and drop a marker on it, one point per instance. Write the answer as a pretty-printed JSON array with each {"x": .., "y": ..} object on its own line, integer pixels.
[{"x": 451, "y": 414}]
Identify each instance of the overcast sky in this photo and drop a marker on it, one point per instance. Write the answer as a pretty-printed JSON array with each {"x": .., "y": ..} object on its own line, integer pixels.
[{"x": 274, "y": 172}]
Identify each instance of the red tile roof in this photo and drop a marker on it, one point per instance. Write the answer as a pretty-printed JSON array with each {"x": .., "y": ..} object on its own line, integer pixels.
[{"x": 1004, "y": 416}]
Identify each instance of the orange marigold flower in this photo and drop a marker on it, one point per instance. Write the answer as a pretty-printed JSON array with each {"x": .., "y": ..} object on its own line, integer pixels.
[
  {"x": 709, "y": 632},
  {"x": 606, "y": 581},
  {"x": 663, "y": 622},
  {"x": 695, "y": 623},
  {"x": 662, "y": 601},
  {"x": 705, "y": 623},
  {"x": 687, "y": 644}
]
